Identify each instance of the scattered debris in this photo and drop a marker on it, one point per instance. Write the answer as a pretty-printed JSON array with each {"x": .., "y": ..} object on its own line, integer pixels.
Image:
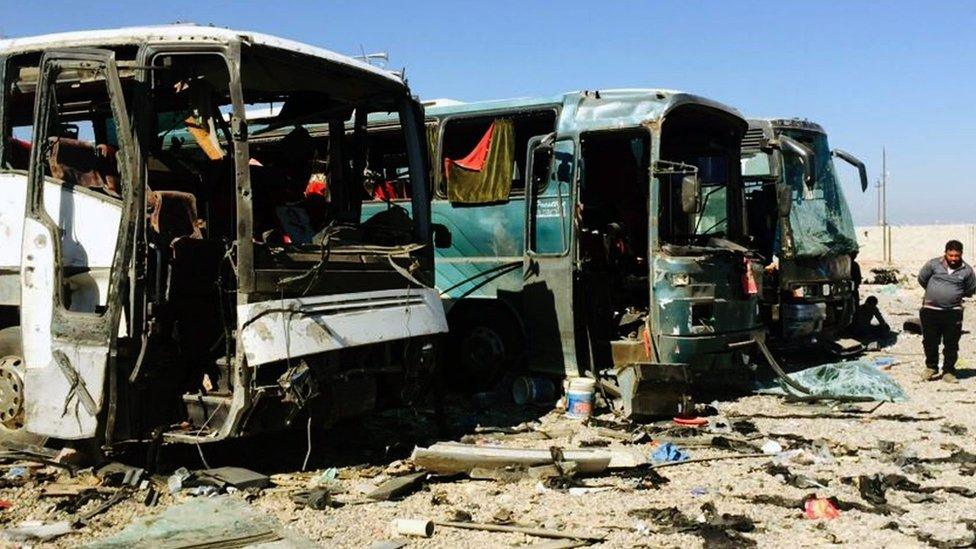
[
  {"x": 177, "y": 479},
  {"x": 799, "y": 481},
  {"x": 116, "y": 498},
  {"x": 800, "y": 504},
  {"x": 224, "y": 521},
  {"x": 669, "y": 453},
  {"x": 707, "y": 459},
  {"x": 318, "y": 499},
  {"x": 885, "y": 276},
  {"x": 912, "y": 326},
  {"x": 771, "y": 447},
  {"x": 716, "y": 530},
  {"x": 413, "y": 527},
  {"x": 390, "y": 544},
  {"x": 36, "y": 530},
  {"x": 817, "y": 508},
  {"x": 238, "y": 477},
  {"x": 954, "y": 429},
  {"x": 527, "y": 530},
  {"x": 118, "y": 474},
  {"x": 398, "y": 487}
]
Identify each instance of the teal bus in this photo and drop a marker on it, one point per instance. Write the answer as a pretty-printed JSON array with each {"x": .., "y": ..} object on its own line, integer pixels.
[
  {"x": 801, "y": 224},
  {"x": 590, "y": 233}
]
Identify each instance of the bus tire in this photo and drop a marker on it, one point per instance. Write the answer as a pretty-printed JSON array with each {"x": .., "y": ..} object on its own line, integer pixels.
[
  {"x": 12, "y": 390},
  {"x": 486, "y": 344}
]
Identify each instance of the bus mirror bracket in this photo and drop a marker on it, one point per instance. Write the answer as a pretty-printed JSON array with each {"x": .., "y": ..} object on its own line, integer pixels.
[
  {"x": 803, "y": 153},
  {"x": 862, "y": 171}
]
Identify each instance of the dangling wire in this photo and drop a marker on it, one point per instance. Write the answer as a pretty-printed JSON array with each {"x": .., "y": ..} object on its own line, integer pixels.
[{"x": 308, "y": 452}]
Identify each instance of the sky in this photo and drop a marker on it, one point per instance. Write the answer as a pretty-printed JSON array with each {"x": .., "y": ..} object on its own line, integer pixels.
[{"x": 897, "y": 75}]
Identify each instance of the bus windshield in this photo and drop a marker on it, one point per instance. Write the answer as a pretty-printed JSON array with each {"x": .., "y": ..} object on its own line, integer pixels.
[{"x": 820, "y": 218}]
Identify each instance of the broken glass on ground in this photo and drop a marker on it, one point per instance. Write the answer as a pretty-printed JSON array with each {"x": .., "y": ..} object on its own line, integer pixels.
[
  {"x": 857, "y": 378},
  {"x": 203, "y": 521}
]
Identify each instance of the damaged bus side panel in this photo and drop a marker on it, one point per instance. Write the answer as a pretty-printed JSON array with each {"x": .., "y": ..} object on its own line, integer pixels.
[
  {"x": 166, "y": 274},
  {"x": 800, "y": 222}
]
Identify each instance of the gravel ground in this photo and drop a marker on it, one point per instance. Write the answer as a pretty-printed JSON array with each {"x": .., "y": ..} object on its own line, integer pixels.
[{"x": 896, "y": 438}]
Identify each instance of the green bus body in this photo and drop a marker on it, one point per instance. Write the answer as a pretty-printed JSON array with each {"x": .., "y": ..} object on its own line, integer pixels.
[{"x": 519, "y": 272}]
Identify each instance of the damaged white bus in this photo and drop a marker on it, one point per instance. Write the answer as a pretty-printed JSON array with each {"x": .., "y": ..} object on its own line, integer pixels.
[{"x": 158, "y": 274}]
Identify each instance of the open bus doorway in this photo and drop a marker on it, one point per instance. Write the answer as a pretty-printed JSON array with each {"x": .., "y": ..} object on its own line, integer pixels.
[{"x": 613, "y": 222}]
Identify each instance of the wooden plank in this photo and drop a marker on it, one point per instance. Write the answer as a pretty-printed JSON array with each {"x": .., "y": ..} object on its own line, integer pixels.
[{"x": 449, "y": 458}]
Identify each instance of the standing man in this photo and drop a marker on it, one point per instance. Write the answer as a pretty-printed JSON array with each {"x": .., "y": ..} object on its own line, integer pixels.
[{"x": 946, "y": 280}]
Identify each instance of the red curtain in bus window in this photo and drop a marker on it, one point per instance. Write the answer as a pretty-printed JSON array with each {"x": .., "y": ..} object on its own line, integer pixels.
[{"x": 485, "y": 174}]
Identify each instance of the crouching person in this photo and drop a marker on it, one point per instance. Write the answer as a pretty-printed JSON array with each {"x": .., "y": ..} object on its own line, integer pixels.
[{"x": 946, "y": 279}]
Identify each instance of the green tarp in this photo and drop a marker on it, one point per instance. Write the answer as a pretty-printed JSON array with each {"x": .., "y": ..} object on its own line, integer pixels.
[{"x": 488, "y": 181}]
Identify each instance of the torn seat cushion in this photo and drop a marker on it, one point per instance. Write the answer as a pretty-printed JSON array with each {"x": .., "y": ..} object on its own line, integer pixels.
[{"x": 80, "y": 163}]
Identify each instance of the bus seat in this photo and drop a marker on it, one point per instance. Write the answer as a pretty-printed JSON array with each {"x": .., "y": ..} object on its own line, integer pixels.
[
  {"x": 80, "y": 163},
  {"x": 174, "y": 215}
]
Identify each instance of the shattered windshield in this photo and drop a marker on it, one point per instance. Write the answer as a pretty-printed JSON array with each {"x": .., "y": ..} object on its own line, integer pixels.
[{"x": 820, "y": 218}]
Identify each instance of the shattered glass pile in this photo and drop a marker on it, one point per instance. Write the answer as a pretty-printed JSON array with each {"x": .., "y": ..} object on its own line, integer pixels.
[
  {"x": 857, "y": 378},
  {"x": 198, "y": 522}
]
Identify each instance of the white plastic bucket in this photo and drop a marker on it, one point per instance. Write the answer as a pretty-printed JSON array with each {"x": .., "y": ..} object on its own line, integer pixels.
[{"x": 579, "y": 398}]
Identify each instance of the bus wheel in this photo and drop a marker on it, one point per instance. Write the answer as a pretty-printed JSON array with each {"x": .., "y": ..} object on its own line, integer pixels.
[
  {"x": 488, "y": 345},
  {"x": 12, "y": 390}
]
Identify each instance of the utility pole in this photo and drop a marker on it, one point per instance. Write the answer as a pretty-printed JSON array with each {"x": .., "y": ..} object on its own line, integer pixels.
[
  {"x": 885, "y": 229},
  {"x": 877, "y": 185},
  {"x": 884, "y": 187}
]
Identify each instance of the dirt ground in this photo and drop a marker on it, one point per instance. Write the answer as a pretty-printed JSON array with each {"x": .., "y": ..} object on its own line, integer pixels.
[{"x": 923, "y": 439}]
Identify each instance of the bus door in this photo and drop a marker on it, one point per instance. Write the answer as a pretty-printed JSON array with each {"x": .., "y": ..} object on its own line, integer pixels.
[
  {"x": 74, "y": 256},
  {"x": 548, "y": 266}
]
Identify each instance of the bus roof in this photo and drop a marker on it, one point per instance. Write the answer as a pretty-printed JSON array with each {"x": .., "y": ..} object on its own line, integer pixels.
[
  {"x": 184, "y": 33},
  {"x": 787, "y": 123},
  {"x": 595, "y": 109}
]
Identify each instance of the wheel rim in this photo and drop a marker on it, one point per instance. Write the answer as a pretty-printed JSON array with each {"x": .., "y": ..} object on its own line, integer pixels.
[
  {"x": 483, "y": 350},
  {"x": 12, "y": 392}
]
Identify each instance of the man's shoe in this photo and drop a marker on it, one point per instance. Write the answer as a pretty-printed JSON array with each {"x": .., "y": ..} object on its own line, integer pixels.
[
  {"x": 928, "y": 374},
  {"x": 950, "y": 377}
]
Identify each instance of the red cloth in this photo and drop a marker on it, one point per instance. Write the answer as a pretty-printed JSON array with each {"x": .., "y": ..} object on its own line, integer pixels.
[
  {"x": 748, "y": 278},
  {"x": 315, "y": 186},
  {"x": 385, "y": 191},
  {"x": 476, "y": 158},
  {"x": 820, "y": 508}
]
